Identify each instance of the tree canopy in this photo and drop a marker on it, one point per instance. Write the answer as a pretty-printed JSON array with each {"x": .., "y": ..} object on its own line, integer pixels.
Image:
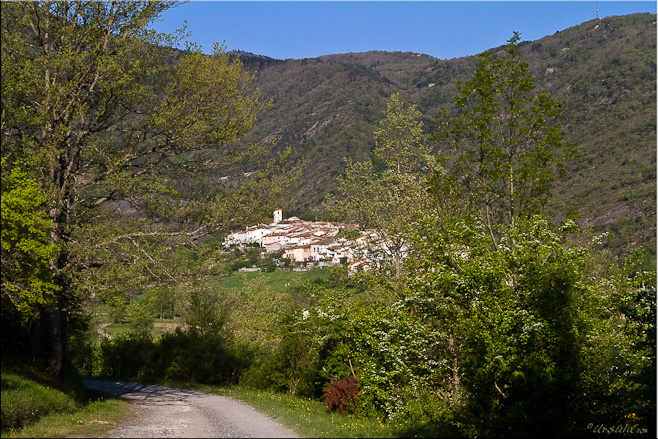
[
  {"x": 505, "y": 143},
  {"x": 389, "y": 202},
  {"x": 99, "y": 113}
]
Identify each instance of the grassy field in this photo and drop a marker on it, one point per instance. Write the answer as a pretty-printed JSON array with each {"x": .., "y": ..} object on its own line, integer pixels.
[
  {"x": 35, "y": 406},
  {"x": 279, "y": 280},
  {"x": 160, "y": 327},
  {"x": 276, "y": 281}
]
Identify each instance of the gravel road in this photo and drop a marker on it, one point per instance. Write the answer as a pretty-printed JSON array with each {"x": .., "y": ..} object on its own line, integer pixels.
[{"x": 159, "y": 411}]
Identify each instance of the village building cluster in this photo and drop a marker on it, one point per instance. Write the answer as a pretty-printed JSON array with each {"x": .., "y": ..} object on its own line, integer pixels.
[{"x": 301, "y": 240}]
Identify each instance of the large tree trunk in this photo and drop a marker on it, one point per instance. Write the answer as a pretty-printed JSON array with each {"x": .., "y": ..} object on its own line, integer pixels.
[
  {"x": 57, "y": 340},
  {"x": 37, "y": 336},
  {"x": 58, "y": 316}
]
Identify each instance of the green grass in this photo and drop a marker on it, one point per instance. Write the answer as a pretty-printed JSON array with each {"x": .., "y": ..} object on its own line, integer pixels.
[
  {"x": 116, "y": 329},
  {"x": 310, "y": 418},
  {"x": 35, "y": 406},
  {"x": 25, "y": 400},
  {"x": 275, "y": 281},
  {"x": 93, "y": 420}
]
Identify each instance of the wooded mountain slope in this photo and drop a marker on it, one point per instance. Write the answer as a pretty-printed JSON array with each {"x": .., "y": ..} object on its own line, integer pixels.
[{"x": 602, "y": 71}]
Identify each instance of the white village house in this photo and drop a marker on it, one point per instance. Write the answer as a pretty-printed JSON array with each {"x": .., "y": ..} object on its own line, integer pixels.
[
  {"x": 298, "y": 239},
  {"x": 301, "y": 240}
]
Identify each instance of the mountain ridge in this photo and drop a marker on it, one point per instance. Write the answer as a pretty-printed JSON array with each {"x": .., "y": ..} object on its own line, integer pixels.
[{"x": 603, "y": 72}]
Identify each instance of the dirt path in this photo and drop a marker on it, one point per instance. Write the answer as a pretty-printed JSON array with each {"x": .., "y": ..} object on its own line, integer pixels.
[
  {"x": 100, "y": 329},
  {"x": 168, "y": 412}
]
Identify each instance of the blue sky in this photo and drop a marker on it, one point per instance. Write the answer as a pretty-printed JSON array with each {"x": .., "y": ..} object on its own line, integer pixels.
[{"x": 443, "y": 29}]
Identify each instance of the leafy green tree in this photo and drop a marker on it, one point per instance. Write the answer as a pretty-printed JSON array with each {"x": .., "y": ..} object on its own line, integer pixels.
[
  {"x": 505, "y": 143},
  {"x": 203, "y": 313},
  {"x": 532, "y": 335},
  {"x": 26, "y": 278},
  {"x": 255, "y": 313},
  {"x": 622, "y": 362},
  {"x": 162, "y": 301},
  {"x": 141, "y": 320},
  {"x": 508, "y": 324},
  {"x": 400, "y": 139},
  {"x": 103, "y": 115},
  {"x": 117, "y": 303},
  {"x": 389, "y": 203},
  {"x": 348, "y": 233}
]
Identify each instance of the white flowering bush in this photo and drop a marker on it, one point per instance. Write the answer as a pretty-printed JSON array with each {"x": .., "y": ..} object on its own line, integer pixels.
[
  {"x": 523, "y": 335},
  {"x": 384, "y": 347}
]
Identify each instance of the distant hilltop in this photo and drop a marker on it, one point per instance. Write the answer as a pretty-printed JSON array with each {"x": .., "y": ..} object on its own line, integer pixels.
[
  {"x": 242, "y": 54},
  {"x": 603, "y": 72}
]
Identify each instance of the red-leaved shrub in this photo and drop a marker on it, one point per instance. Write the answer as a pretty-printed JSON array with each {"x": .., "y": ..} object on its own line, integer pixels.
[{"x": 341, "y": 393}]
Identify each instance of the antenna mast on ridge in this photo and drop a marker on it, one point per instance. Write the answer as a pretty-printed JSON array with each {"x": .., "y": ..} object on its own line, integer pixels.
[{"x": 597, "y": 8}]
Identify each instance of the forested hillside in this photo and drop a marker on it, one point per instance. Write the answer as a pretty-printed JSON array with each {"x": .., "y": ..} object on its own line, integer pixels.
[{"x": 602, "y": 71}]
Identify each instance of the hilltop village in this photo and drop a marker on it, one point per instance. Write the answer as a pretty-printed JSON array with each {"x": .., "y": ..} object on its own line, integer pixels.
[{"x": 305, "y": 241}]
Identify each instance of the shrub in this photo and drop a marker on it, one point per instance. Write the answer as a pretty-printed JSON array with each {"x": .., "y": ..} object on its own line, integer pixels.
[
  {"x": 341, "y": 394},
  {"x": 184, "y": 355}
]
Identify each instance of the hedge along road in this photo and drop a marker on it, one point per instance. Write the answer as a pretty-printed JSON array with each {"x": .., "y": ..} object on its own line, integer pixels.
[{"x": 169, "y": 412}]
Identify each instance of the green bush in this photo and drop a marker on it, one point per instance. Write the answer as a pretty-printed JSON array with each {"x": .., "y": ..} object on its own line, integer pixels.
[
  {"x": 184, "y": 355},
  {"x": 190, "y": 356},
  {"x": 127, "y": 356},
  {"x": 84, "y": 353},
  {"x": 293, "y": 368}
]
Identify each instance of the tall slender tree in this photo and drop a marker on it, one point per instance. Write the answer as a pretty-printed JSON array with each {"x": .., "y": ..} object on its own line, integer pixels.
[
  {"x": 505, "y": 143},
  {"x": 102, "y": 114},
  {"x": 401, "y": 143},
  {"x": 390, "y": 202}
]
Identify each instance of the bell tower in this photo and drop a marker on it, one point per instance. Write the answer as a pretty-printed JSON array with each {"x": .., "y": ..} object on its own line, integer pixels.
[{"x": 278, "y": 216}]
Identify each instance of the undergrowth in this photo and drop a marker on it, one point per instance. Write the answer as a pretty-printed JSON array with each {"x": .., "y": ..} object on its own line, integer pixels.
[{"x": 34, "y": 405}]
